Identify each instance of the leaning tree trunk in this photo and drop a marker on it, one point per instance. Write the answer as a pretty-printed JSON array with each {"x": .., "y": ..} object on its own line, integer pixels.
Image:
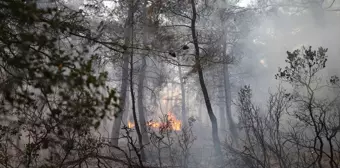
[
  {"x": 216, "y": 140},
  {"x": 125, "y": 72}
]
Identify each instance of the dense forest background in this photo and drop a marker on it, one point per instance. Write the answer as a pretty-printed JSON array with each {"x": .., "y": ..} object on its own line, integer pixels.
[{"x": 169, "y": 83}]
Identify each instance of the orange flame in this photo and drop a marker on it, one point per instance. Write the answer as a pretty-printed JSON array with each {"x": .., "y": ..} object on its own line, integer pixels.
[
  {"x": 172, "y": 123},
  {"x": 154, "y": 124},
  {"x": 175, "y": 124},
  {"x": 130, "y": 124}
]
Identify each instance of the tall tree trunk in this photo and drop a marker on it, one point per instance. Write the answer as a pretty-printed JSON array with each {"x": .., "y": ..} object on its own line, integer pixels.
[
  {"x": 141, "y": 79},
  {"x": 227, "y": 92},
  {"x": 123, "y": 90},
  {"x": 142, "y": 119},
  {"x": 141, "y": 155},
  {"x": 216, "y": 140},
  {"x": 184, "y": 111},
  {"x": 226, "y": 82},
  {"x": 125, "y": 73},
  {"x": 134, "y": 113}
]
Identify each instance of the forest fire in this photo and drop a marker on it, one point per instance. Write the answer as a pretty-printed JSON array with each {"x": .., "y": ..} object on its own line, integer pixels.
[
  {"x": 172, "y": 123},
  {"x": 130, "y": 124}
]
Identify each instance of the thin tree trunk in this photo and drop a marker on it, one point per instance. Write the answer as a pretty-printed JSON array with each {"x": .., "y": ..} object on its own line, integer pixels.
[
  {"x": 123, "y": 90},
  {"x": 226, "y": 82},
  {"x": 141, "y": 155},
  {"x": 227, "y": 95},
  {"x": 216, "y": 140},
  {"x": 125, "y": 72},
  {"x": 142, "y": 119},
  {"x": 184, "y": 112},
  {"x": 139, "y": 134},
  {"x": 141, "y": 79}
]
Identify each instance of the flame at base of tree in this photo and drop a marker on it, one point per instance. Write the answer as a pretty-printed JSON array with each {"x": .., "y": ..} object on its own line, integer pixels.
[{"x": 171, "y": 123}]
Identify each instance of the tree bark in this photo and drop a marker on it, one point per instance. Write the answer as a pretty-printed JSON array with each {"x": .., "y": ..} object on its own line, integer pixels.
[
  {"x": 125, "y": 72},
  {"x": 134, "y": 113},
  {"x": 141, "y": 155},
  {"x": 141, "y": 79},
  {"x": 142, "y": 119},
  {"x": 216, "y": 140}
]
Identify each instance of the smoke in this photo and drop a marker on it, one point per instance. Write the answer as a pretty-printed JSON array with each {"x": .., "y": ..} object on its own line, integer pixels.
[{"x": 285, "y": 31}]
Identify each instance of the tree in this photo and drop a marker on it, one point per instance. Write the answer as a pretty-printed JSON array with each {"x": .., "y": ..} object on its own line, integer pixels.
[
  {"x": 141, "y": 79},
  {"x": 50, "y": 94},
  {"x": 125, "y": 71},
  {"x": 299, "y": 128},
  {"x": 317, "y": 114},
  {"x": 198, "y": 65}
]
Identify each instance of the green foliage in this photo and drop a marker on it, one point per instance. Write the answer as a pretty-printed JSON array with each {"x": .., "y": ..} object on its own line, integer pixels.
[{"x": 48, "y": 87}]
